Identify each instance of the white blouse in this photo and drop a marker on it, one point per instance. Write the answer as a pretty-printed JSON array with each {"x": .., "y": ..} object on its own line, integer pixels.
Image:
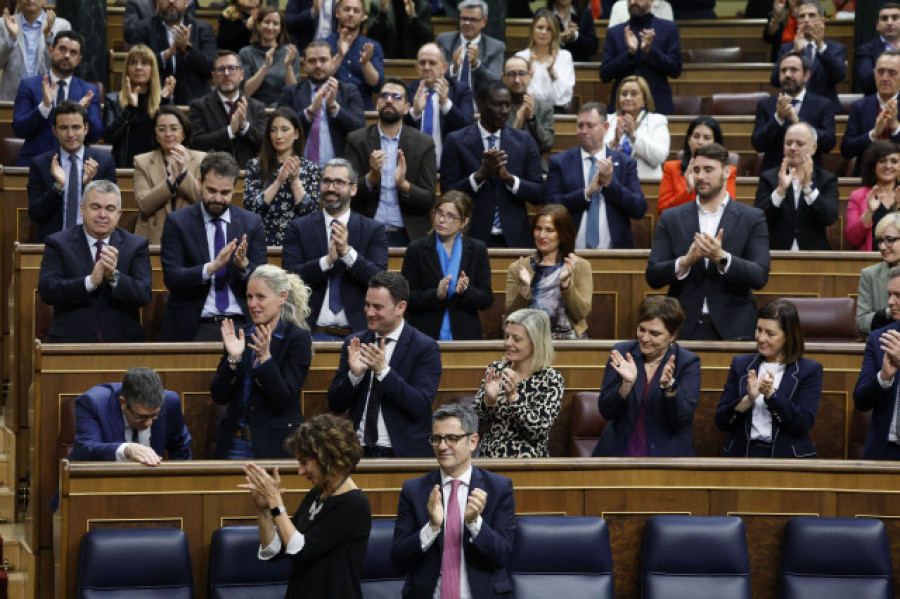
[
  {"x": 651, "y": 146},
  {"x": 559, "y": 92}
]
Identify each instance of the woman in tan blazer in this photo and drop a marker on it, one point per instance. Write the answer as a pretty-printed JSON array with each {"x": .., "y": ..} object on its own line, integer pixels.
[{"x": 167, "y": 178}]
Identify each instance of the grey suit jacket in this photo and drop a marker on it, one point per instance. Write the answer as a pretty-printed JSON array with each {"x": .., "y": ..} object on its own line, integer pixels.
[
  {"x": 12, "y": 55},
  {"x": 209, "y": 122},
  {"x": 154, "y": 199},
  {"x": 490, "y": 53},
  {"x": 872, "y": 296}
]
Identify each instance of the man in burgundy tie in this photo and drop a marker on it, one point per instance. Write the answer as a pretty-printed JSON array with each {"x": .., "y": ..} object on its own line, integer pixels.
[{"x": 455, "y": 526}]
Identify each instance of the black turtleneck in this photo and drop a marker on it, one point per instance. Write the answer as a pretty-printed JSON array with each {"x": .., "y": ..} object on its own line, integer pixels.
[{"x": 641, "y": 22}]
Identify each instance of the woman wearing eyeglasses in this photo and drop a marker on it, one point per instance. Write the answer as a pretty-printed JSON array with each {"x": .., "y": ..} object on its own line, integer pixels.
[
  {"x": 520, "y": 395},
  {"x": 871, "y": 303},
  {"x": 878, "y": 196},
  {"x": 449, "y": 274}
]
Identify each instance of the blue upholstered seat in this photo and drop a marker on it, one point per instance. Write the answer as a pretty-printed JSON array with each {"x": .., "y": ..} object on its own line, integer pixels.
[
  {"x": 235, "y": 571},
  {"x": 379, "y": 578}
]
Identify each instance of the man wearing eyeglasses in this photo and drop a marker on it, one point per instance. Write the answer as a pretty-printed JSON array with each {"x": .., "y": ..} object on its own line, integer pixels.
[
  {"x": 135, "y": 420},
  {"x": 476, "y": 56},
  {"x": 335, "y": 251},
  {"x": 397, "y": 169},
  {"x": 225, "y": 120},
  {"x": 455, "y": 525},
  {"x": 527, "y": 112},
  {"x": 185, "y": 47}
]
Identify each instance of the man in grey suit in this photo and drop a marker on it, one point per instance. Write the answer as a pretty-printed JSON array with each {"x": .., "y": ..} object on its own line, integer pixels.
[
  {"x": 24, "y": 40},
  {"x": 483, "y": 54},
  {"x": 397, "y": 167}
]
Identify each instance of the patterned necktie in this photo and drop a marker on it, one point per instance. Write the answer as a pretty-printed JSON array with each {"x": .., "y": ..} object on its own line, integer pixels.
[
  {"x": 428, "y": 114},
  {"x": 219, "y": 279},
  {"x": 370, "y": 432},
  {"x": 315, "y": 128},
  {"x": 592, "y": 233},
  {"x": 73, "y": 191},
  {"x": 492, "y": 145},
  {"x": 232, "y": 106},
  {"x": 61, "y": 92},
  {"x": 451, "y": 557}
]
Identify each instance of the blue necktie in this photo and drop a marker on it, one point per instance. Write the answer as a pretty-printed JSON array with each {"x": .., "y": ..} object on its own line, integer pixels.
[
  {"x": 219, "y": 279},
  {"x": 428, "y": 114},
  {"x": 592, "y": 233},
  {"x": 492, "y": 144},
  {"x": 60, "y": 92},
  {"x": 464, "y": 68},
  {"x": 810, "y": 52},
  {"x": 334, "y": 287}
]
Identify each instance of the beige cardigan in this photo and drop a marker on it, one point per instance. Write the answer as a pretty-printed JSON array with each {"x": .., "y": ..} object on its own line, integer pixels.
[
  {"x": 153, "y": 195},
  {"x": 577, "y": 297}
]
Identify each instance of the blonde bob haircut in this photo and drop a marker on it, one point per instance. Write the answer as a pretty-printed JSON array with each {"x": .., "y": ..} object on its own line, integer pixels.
[
  {"x": 537, "y": 325},
  {"x": 649, "y": 104},
  {"x": 142, "y": 53}
]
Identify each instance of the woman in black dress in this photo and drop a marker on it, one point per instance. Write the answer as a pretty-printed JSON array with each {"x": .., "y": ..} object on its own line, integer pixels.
[{"x": 326, "y": 539}]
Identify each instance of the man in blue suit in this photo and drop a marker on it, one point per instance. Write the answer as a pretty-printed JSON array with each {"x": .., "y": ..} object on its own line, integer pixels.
[
  {"x": 499, "y": 166},
  {"x": 388, "y": 375},
  {"x": 827, "y": 58},
  {"x": 135, "y": 420},
  {"x": 358, "y": 60},
  {"x": 878, "y": 383},
  {"x": 208, "y": 252},
  {"x": 647, "y": 46},
  {"x": 56, "y": 177},
  {"x": 888, "y": 38},
  {"x": 37, "y": 96},
  {"x": 599, "y": 186},
  {"x": 795, "y": 103},
  {"x": 456, "y": 519},
  {"x": 874, "y": 117},
  {"x": 95, "y": 275},
  {"x": 335, "y": 251}
]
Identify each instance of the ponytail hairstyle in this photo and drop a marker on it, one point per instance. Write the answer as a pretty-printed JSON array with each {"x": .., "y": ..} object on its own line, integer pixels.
[{"x": 296, "y": 308}]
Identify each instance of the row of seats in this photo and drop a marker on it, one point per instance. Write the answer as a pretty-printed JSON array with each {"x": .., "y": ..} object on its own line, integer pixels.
[{"x": 683, "y": 557}]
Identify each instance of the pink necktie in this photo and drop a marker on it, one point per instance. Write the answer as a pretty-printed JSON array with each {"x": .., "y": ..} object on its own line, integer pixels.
[{"x": 452, "y": 556}]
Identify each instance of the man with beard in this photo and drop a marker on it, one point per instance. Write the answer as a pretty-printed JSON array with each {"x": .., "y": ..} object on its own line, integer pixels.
[
  {"x": 357, "y": 60},
  {"x": 799, "y": 197},
  {"x": 795, "y": 103},
  {"x": 208, "y": 251},
  {"x": 647, "y": 46},
  {"x": 225, "y": 120},
  {"x": 23, "y": 43},
  {"x": 185, "y": 47},
  {"x": 874, "y": 117},
  {"x": 527, "y": 112},
  {"x": 397, "y": 169},
  {"x": 711, "y": 253},
  {"x": 38, "y": 95},
  {"x": 328, "y": 110},
  {"x": 138, "y": 10},
  {"x": 335, "y": 251},
  {"x": 500, "y": 167},
  {"x": 888, "y": 38}
]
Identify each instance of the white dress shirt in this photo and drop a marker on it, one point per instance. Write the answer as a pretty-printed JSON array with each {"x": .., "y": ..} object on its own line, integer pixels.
[
  {"x": 327, "y": 318},
  {"x": 605, "y": 236},
  {"x": 384, "y": 440}
]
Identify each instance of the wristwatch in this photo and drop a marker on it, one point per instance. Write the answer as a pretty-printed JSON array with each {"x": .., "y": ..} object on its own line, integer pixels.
[
  {"x": 723, "y": 261},
  {"x": 670, "y": 389},
  {"x": 277, "y": 511}
]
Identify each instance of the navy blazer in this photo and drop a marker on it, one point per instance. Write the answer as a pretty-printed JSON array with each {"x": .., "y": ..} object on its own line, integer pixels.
[
  {"x": 487, "y": 555},
  {"x": 37, "y": 131},
  {"x": 661, "y": 62},
  {"x": 350, "y": 117},
  {"x": 793, "y": 407},
  {"x": 407, "y": 391},
  {"x": 350, "y": 73},
  {"x": 586, "y": 46},
  {"x": 863, "y": 113},
  {"x": 768, "y": 135},
  {"x": 807, "y": 223},
  {"x": 462, "y": 156},
  {"x": 732, "y": 305},
  {"x": 305, "y": 242},
  {"x": 623, "y": 196},
  {"x": 100, "y": 426},
  {"x": 183, "y": 252},
  {"x": 109, "y": 314},
  {"x": 864, "y": 58},
  {"x": 273, "y": 409},
  {"x": 868, "y": 395},
  {"x": 461, "y": 113},
  {"x": 301, "y": 23},
  {"x": 425, "y": 310},
  {"x": 192, "y": 68},
  {"x": 828, "y": 70},
  {"x": 209, "y": 124},
  {"x": 45, "y": 203},
  {"x": 667, "y": 420}
]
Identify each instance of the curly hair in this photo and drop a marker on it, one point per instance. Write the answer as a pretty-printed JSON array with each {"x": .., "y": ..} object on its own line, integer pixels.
[{"x": 331, "y": 441}]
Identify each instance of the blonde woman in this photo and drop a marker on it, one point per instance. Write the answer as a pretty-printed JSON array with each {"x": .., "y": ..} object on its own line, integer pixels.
[
  {"x": 636, "y": 129},
  {"x": 553, "y": 79}
]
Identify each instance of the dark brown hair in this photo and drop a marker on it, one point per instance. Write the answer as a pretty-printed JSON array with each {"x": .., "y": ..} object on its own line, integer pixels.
[
  {"x": 562, "y": 222},
  {"x": 268, "y": 158},
  {"x": 460, "y": 200},
  {"x": 785, "y": 313},
  {"x": 875, "y": 152},
  {"x": 665, "y": 308},
  {"x": 173, "y": 110},
  {"x": 330, "y": 440},
  {"x": 265, "y": 11}
]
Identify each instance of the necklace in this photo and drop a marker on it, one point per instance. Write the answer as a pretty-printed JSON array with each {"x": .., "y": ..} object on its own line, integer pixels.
[{"x": 319, "y": 503}]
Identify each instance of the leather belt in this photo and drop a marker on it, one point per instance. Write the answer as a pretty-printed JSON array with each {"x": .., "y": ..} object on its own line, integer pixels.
[{"x": 242, "y": 432}]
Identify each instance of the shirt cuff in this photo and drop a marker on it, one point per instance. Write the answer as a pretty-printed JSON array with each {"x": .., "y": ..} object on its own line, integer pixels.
[
  {"x": 475, "y": 527},
  {"x": 206, "y": 275},
  {"x": 678, "y": 267},
  {"x": 725, "y": 268},
  {"x": 811, "y": 197},
  {"x": 777, "y": 199},
  {"x": 515, "y": 186},
  {"x": 474, "y": 183},
  {"x": 245, "y": 128},
  {"x": 445, "y": 110},
  {"x": 230, "y": 132},
  {"x": 779, "y": 120},
  {"x": 295, "y": 543},
  {"x": 323, "y": 264},
  {"x": 45, "y": 112},
  {"x": 88, "y": 285},
  {"x": 384, "y": 373},
  {"x": 895, "y": 131},
  {"x": 883, "y": 383},
  {"x": 354, "y": 380},
  {"x": 120, "y": 453},
  {"x": 427, "y": 537},
  {"x": 350, "y": 257}
]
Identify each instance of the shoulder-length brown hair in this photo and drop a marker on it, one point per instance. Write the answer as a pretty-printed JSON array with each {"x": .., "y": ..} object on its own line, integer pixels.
[
  {"x": 264, "y": 12},
  {"x": 785, "y": 313},
  {"x": 543, "y": 13},
  {"x": 562, "y": 222},
  {"x": 461, "y": 200}
]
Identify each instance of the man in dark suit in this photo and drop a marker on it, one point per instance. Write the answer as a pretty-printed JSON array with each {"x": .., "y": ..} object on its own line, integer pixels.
[
  {"x": 877, "y": 386},
  {"x": 328, "y": 110},
  {"x": 388, "y": 375},
  {"x": 458, "y": 518},
  {"x": 397, "y": 169},
  {"x": 874, "y": 117},
  {"x": 827, "y": 58},
  {"x": 527, "y": 112},
  {"x": 135, "y": 420},
  {"x": 711, "y": 253},
  {"x": 358, "y": 60},
  {"x": 139, "y": 10},
  {"x": 335, "y": 252},
  {"x": 603, "y": 207},
  {"x": 440, "y": 105},
  {"x": 36, "y": 97},
  {"x": 800, "y": 198},
  {"x": 208, "y": 252},
  {"x": 475, "y": 57},
  {"x": 96, "y": 276},
  {"x": 647, "y": 46},
  {"x": 500, "y": 167},
  {"x": 795, "y": 103},
  {"x": 185, "y": 47},
  {"x": 400, "y": 26},
  {"x": 225, "y": 120},
  {"x": 888, "y": 38},
  {"x": 56, "y": 177}
]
